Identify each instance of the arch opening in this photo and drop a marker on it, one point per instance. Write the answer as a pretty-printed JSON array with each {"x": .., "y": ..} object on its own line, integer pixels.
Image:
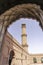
[
  {"x": 11, "y": 56},
  {"x": 34, "y": 33}
]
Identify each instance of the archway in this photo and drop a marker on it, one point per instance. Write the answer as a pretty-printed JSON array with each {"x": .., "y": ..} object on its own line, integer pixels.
[
  {"x": 20, "y": 11},
  {"x": 11, "y": 56}
]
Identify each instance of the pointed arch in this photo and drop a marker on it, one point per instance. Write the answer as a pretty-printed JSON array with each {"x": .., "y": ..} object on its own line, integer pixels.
[
  {"x": 19, "y": 11},
  {"x": 11, "y": 56}
]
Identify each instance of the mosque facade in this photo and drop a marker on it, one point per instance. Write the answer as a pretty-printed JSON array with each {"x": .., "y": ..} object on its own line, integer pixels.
[{"x": 15, "y": 53}]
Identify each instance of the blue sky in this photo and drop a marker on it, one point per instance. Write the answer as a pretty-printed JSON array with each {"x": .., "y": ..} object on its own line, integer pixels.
[{"x": 34, "y": 34}]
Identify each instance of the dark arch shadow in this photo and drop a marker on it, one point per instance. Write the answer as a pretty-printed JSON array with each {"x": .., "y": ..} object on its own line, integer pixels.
[{"x": 11, "y": 56}]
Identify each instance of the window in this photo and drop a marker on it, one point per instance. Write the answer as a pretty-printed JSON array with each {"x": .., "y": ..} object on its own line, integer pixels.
[
  {"x": 42, "y": 60},
  {"x": 34, "y": 60}
]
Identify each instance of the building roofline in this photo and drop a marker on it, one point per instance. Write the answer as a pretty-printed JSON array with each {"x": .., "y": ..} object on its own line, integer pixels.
[
  {"x": 18, "y": 44},
  {"x": 14, "y": 40}
]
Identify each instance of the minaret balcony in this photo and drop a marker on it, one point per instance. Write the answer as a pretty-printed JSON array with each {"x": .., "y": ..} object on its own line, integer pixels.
[{"x": 24, "y": 34}]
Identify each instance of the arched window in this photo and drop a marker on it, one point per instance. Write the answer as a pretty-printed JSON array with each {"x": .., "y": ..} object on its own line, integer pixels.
[
  {"x": 34, "y": 60},
  {"x": 11, "y": 56},
  {"x": 42, "y": 60}
]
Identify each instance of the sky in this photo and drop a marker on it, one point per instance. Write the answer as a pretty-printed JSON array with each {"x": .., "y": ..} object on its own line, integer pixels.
[{"x": 33, "y": 31}]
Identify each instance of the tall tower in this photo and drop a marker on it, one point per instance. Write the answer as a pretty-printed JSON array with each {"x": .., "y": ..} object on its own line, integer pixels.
[{"x": 24, "y": 37}]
